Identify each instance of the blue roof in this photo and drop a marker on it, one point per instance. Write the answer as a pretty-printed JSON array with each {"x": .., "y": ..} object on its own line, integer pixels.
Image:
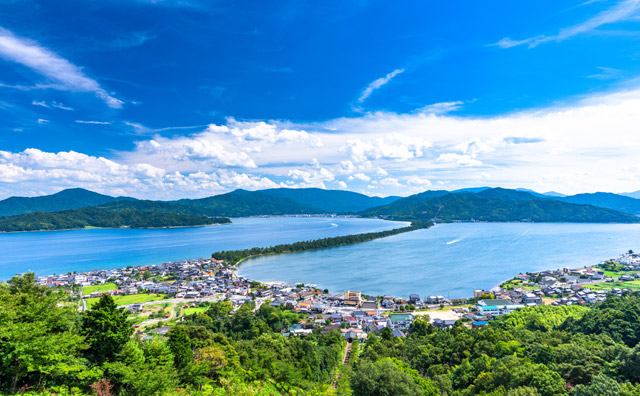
[{"x": 481, "y": 323}]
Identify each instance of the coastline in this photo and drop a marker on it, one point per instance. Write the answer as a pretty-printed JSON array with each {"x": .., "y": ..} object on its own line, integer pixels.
[{"x": 116, "y": 228}]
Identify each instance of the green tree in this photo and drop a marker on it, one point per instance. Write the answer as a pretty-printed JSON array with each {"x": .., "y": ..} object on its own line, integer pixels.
[
  {"x": 39, "y": 341},
  {"x": 106, "y": 328},
  {"x": 180, "y": 346},
  {"x": 386, "y": 333},
  {"x": 383, "y": 378}
]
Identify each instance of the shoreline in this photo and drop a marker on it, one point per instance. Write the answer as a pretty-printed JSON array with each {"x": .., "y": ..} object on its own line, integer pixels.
[
  {"x": 235, "y": 268},
  {"x": 116, "y": 228}
]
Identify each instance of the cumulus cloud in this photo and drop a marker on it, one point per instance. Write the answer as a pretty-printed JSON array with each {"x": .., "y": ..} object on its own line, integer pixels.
[
  {"x": 45, "y": 62},
  {"x": 395, "y": 146},
  {"x": 588, "y": 146}
]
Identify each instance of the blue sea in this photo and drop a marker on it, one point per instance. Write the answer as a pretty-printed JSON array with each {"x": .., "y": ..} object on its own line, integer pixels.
[
  {"x": 59, "y": 252},
  {"x": 449, "y": 259}
]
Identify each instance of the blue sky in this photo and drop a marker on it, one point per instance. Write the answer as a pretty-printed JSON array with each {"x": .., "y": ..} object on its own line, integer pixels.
[{"x": 168, "y": 99}]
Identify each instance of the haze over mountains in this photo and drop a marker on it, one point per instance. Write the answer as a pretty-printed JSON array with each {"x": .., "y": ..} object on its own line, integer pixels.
[{"x": 479, "y": 204}]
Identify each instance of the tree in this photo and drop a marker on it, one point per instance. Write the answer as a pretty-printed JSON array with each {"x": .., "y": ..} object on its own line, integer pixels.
[
  {"x": 106, "y": 328},
  {"x": 180, "y": 346},
  {"x": 39, "y": 341},
  {"x": 386, "y": 333},
  {"x": 146, "y": 275},
  {"x": 600, "y": 385},
  {"x": 383, "y": 378}
]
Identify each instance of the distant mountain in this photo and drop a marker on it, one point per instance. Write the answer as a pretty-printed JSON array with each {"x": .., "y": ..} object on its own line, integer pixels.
[
  {"x": 154, "y": 206},
  {"x": 553, "y": 194},
  {"x": 330, "y": 201},
  {"x": 495, "y": 205},
  {"x": 635, "y": 194},
  {"x": 606, "y": 200},
  {"x": 471, "y": 190},
  {"x": 103, "y": 218},
  {"x": 241, "y": 203},
  {"x": 72, "y": 198},
  {"x": 505, "y": 194}
]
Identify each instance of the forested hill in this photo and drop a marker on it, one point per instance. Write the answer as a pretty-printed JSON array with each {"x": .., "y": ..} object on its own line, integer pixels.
[
  {"x": 499, "y": 206},
  {"x": 238, "y": 203},
  {"x": 72, "y": 198},
  {"x": 97, "y": 217},
  {"x": 487, "y": 204},
  {"x": 241, "y": 203},
  {"x": 330, "y": 201},
  {"x": 606, "y": 200}
]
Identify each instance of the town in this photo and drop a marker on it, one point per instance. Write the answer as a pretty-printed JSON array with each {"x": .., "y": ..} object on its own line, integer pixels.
[{"x": 160, "y": 296}]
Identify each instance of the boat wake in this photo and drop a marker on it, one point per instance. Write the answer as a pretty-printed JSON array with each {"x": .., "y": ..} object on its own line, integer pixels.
[
  {"x": 454, "y": 241},
  {"x": 334, "y": 225}
]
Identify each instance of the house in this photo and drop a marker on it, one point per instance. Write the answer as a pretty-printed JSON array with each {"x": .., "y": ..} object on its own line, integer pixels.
[
  {"x": 414, "y": 298},
  {"x": 400, "y": 321},
  {"x": 531, "y": 298},
  {"x": 369, "y": 305},
  {"x": 397, "y": 333},
  {"x": 353, "y": 298},
  {"x": 388, "y": 304},
  {"x": 444, "y": 324},
  {"x": 351, "y": 334},
  {"x": 435, "y": 300}
]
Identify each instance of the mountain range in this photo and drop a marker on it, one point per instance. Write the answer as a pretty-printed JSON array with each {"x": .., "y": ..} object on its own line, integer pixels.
[{"x": 481, "y": 203}]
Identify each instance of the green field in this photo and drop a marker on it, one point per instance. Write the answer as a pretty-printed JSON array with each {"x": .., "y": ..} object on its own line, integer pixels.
[
  {"x": 130, "y": 299},
  {"x": 191, "y": 311},
  {"x": 99, "y": 288},
  {"x": 633, "y": 285}
]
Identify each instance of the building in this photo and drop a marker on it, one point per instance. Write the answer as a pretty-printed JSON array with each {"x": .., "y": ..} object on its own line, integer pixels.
[
  {"x": 353, "y": 298},
  {"x": 400, "y": 321},
  {"x": 530, "y": 298},
  {"x": 496, "y": 307}
]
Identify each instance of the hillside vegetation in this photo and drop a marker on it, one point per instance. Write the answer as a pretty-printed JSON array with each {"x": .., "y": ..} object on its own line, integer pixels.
[
  {"x": 103, "y": 218},
  {"x": 497, "y": 205},
  {"x": 48, "y": 347},
  {"x": 73, "y": 198}
]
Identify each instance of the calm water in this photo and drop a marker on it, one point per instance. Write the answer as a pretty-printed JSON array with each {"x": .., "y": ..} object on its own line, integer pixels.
[
  {"x": 449, "y": 259},
  {"x": 82, "y": 250}
]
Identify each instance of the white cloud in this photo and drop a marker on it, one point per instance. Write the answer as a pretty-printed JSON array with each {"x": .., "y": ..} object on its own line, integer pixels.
[
  {"x": 61, "y": 106},
  {"x": 45, "y": 62},
  {"x": 93, "y": 122},
  {"x": 39, "y": 103},
  {"x": 56, "y": 105},
  {"x": 394, "y": 146},
  {"x": 418, "y": 181},
  {"x": 590, "y": 145},
  {"x": 376, "y": 84},
  {"x": 441, "y": 108},
  {"x": 42, "y": 121},
  {"x": 622, "y": 11},
  {"x": 360, "y": 176}
]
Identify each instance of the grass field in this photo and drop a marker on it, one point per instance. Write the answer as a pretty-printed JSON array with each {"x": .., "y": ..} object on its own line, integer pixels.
[
  {"x": 130, "y": 299},
  {"x": 633, "y": 285},
  {"x": 191, "y": 311},
  {"x": 99, "y": 288}
]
